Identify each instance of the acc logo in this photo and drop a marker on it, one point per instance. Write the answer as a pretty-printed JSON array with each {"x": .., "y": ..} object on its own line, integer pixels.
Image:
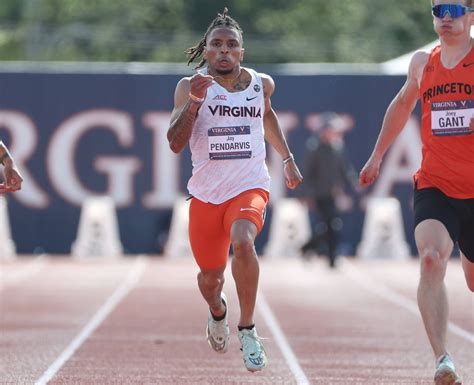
[
  {"x": 256, "y": 88},
  {"x": 220, "y": 97},
  {"x": 430, "y": 68}
]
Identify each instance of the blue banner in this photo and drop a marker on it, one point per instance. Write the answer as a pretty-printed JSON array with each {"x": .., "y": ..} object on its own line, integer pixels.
[{"x": 77, "y": 135}]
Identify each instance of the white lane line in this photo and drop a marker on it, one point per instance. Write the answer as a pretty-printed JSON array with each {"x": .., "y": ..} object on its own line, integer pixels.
[
  {"x": 281, "y": 340},
  {"x": 383, "y": 291},
  {"x": 25, "y": 271},
  {"x": 127, "y": 284}
]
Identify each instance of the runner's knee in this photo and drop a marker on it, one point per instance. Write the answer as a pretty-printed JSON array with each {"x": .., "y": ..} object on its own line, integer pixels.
[
  {"x": 211, "y": 280},
  {"x": 243, "y": 246},
  {"x": 432, "y": 261}
]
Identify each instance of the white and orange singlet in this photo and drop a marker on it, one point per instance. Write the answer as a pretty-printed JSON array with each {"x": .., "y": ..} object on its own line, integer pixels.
[
  {"x": 230, "y": 179},
  {"x": 227, "y": 143}
]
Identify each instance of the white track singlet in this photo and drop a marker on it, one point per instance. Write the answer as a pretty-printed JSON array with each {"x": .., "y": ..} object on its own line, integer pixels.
[{"x": 227, "y": 143}]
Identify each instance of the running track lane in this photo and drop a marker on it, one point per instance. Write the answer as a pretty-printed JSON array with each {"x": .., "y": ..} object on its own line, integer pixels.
[
  {"x": 40, "y": 315},
  {"x": 345, "y": 332},
  {"x": 339, "y": 332},
  {"x": 156, "y": 335}
]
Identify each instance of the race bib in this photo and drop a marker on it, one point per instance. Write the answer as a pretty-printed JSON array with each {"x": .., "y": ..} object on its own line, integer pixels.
[
  {"x": 452, "y": 118},
  {"x": 229, "y": 142}
]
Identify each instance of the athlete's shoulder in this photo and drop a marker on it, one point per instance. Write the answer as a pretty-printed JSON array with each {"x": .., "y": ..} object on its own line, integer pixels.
[
  {"x": 181, "y": 92},
  {"x": 417, "y": 65},
  {"x": 265, "y": 77},
  {"x": 268, "y": 83},
  {"x": 184, "y": 82},
  {"x": 419, "y": 59}
]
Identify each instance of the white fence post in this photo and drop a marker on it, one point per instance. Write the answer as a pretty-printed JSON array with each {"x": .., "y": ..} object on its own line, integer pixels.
[
  {"x": 383, "y": 234},
  {"x": 98, "y": 232},
  {"x": 177, "y": 245},
  {"x": 290, "y": 228}
]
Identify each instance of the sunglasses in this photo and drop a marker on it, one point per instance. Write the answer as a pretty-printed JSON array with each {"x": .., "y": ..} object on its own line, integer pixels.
[{"x": 452, "y": 10}]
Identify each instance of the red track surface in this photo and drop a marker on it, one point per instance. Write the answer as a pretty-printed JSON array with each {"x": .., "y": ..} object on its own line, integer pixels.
[{"x": 355, "y": 325}]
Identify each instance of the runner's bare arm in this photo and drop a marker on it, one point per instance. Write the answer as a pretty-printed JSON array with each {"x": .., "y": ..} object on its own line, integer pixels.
[
  {"x": 274, "y": 136},
  {"x": 11, "y": 175},
  {"x": 182, "y": 117},
  {"x": 396, "y": 116},
  {"x": 273, "y": 132},
  {"x": 185, "y": 109},
  {"x": 402, "y": 105}
]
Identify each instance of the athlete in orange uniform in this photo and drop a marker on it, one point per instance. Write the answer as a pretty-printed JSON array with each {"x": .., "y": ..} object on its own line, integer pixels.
[
  {"x": 224, "y": 113},
  {"x": 444, "y": 184}
]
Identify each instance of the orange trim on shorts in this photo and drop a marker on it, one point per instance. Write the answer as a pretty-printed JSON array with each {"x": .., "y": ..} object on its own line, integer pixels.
[{"x": 210, "y": 224}]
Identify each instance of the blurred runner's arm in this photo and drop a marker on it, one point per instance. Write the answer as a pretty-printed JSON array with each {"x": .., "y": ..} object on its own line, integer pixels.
[
  {"x": 11, "y": 175},
  {"x": 274, "y": 136},
  {"x": 396, "y": 117}
]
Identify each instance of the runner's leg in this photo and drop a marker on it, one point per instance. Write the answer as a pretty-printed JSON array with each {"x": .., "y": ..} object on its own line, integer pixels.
[
  {"x": 245, "y": 268},
  {"x": 434, "y": 246}
]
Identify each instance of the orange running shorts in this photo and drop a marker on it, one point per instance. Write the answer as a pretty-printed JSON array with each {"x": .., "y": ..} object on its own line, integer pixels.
[{"x": 210, "y": 224}]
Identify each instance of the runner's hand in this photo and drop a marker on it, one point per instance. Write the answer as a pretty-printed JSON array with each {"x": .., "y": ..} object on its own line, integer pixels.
[
  {"x": 199, "y": 84},
  {"x": 11, "y": 177},
  {"x": 292, "y": 175},
  {"x": 369, "y": 172}
]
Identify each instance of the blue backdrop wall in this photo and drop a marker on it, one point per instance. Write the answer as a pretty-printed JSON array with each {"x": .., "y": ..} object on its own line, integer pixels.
[{"x": 75, "y": 135}]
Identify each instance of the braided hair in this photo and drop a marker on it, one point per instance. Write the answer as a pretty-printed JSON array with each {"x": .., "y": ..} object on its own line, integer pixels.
[{"x": 221, "y": 20}]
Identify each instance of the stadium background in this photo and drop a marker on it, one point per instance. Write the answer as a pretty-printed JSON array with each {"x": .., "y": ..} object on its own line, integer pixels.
[{"x": 94, "y": 131}]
